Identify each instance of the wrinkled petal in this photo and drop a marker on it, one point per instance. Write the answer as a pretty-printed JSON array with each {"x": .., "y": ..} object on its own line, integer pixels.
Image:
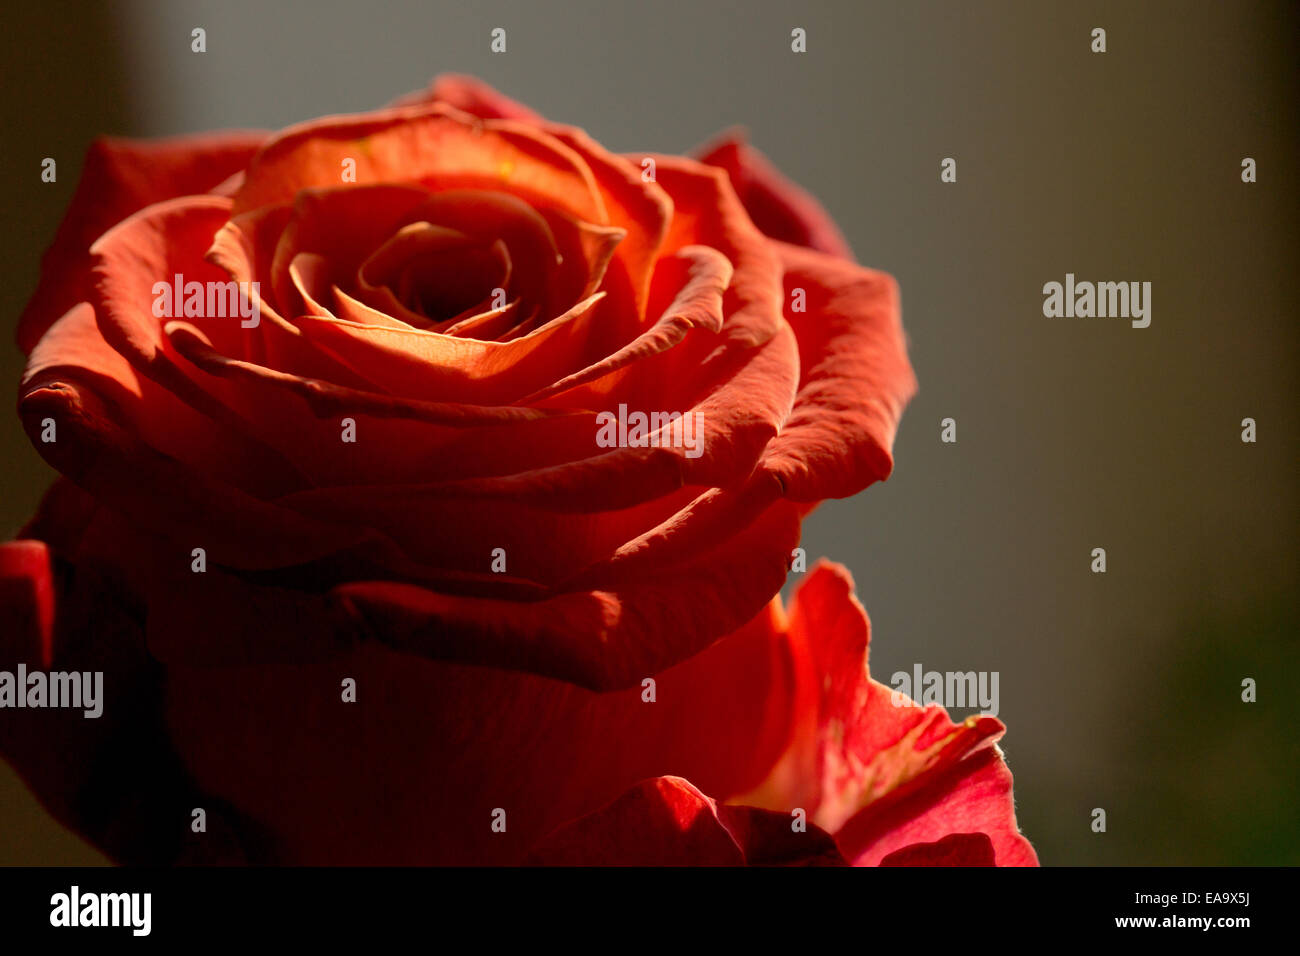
[
  {"x": 110, "y": 462},
  {"x": 854, "y": 379}
]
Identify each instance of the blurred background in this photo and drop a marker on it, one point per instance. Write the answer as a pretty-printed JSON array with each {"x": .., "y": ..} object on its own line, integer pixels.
[{"x": 1120, "y": 690}]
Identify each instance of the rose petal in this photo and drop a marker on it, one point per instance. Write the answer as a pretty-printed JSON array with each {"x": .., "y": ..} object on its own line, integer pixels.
[
  {"x": 423, "y": 144},
  {"x": 668, "y": 822},
  {"x": 707, "y": 212},
  {"x": 975, "y": 797},
  {"x": 454, "y": 537},
  {"x": 855, "y": 378},
  {"x": 471, "y": 95},
  {"x": 433, "y": 367},
  {"x": 956, "y": 849},
  {"x": 119, "y": 177},
  {"x": 781, "y": 209},
  {"x": 74, "y": 351},
  {"x": 110, "y": 462},
  {"x": 642, "y": 210},
  {"x": 880, "y": 777},
  {"x": 599, "y": 639},
  {"x": 113, "y": 777},
  {"x": 439, "y": 741},
  {"x": 27, "y": 595},
  {"x": 701, "y": 276},
  {"x": 342, "y": 226}
]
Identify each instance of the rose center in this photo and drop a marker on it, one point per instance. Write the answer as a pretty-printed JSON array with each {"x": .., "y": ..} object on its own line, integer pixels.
[{"x": 438, "y": 272}]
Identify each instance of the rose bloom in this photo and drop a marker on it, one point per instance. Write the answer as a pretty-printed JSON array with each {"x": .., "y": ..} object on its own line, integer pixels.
[{"x": 363, "y": 585}]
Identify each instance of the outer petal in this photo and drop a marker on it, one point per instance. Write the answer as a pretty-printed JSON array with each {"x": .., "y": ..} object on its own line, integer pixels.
[
  {"x": 668, "y": 822},
  {"x": 854, "y": 379},
  {"x": 471, "y": 95},
  {"x": 74, "y": 351},
  {"x": 112, "y": 778},
  {"x": 122, "y": 176},
  {"x": 956, "y": 849},
  {"x": 781, "y": 209},
  {"x": 106, "y": 459},
  {"x": 881, "y": 777},
  {"x": 438, "y": 747},
  {"x": 974, "y": 797},
  {"x": 707, "y": 212},
  {"x": 27, "y": 596},
  {"x": 430, "y": 144},
  {"x": 605, "y": 639}
]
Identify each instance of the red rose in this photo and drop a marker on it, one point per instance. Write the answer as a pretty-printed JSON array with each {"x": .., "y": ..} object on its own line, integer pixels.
[
  {"x": 476, "y": 427},
  {"x": 378, "y": 307}
]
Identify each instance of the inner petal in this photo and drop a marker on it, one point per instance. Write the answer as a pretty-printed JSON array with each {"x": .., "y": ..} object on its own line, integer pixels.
[
  {"x": 487, "y": 217},
  {"x": 436, "y": 271}
]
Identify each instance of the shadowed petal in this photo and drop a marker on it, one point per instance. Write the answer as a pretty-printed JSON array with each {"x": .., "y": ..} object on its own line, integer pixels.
[
  {"x": 668, "y": 822},
  {"x": 120, "y": 177}
]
